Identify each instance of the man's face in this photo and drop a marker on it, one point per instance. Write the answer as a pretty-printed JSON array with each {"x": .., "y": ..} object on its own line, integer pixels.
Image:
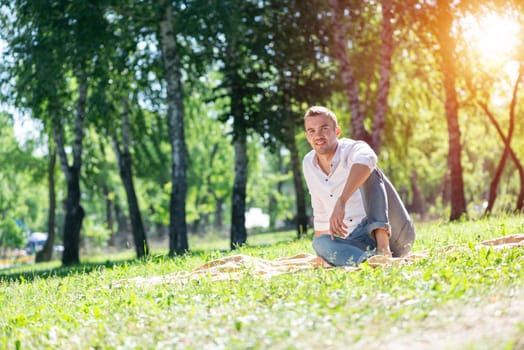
[{"x": 322, "y": 133}]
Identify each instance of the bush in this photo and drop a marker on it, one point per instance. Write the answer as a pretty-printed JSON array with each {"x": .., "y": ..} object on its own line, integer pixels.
[{"x": 11, "y": 235}]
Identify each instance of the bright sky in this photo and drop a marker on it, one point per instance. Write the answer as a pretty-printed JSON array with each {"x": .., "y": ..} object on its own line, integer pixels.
[{"x": 24, "y": 126}]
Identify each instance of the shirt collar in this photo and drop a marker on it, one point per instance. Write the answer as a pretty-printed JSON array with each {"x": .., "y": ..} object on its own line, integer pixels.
[{"x": 334, "y": 161}]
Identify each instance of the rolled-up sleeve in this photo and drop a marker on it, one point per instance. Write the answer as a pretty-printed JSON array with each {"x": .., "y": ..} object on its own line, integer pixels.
[{"x": 362, "y": 153}]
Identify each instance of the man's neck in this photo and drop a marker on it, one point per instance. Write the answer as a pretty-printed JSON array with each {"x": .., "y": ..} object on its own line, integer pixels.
[{"x": 324, "y": 160}]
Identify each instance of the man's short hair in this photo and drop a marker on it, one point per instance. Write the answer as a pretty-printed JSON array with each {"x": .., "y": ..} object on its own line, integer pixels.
[{"x": 320, "y": 111}]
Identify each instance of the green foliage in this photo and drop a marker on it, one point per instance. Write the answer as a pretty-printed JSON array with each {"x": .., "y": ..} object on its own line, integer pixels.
[
  {"x": 211, "y": 156},
  {"x": 22, "y": 191},
  {"x": 280, "y": 62},
  {"x": 11, "y": 235},
  {"x": 97, "y": 233}
]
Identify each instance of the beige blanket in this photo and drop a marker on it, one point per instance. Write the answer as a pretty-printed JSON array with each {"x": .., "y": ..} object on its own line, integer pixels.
[{"x": 235, "y": 266}]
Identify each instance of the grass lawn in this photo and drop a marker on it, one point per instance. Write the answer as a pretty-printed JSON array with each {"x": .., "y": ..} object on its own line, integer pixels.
[{"x": 467, "y": 299}]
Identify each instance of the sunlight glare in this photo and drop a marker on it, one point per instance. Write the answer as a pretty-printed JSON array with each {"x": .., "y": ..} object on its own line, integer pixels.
[{"x": 494, "y": 37}]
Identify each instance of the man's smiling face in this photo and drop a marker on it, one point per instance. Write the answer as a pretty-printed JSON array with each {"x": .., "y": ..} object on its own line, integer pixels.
[{"x": 322, "y": 134}]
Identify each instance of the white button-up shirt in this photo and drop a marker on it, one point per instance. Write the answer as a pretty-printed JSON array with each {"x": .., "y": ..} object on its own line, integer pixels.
[{"x": 325, "y": 189}]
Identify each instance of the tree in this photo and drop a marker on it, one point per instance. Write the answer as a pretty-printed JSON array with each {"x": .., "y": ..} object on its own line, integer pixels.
[
  {"x": 122, "y": 150},
  {"x": 486, "y": 77},
  {"x": 447, "y": 52},
  {"x": 299, "y": 38},
  {"x": 57, "y": 41},
  {"x": 508, "y": 150},
  {"x": 117, "y": 97},
  {"x": 20, "y": 210},
  {"x": 178, "y": 227},
  {"x": 348, "y": 67},
  {"x": 433, "y": 23},
  {"x": 47, "y": 251},
  {"x": 164, "y": 22},
  {"x": 233, "y": 33}
]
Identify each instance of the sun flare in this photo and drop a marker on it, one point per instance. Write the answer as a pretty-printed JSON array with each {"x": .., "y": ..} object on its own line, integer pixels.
[{"x": 494, "y": 37}]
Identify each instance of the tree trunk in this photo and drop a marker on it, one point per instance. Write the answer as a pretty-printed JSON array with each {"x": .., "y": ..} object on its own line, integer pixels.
[
  {"x": 47, "y": 251},
  {"x": 358, "y": 129},
  {"x": 492, "y": 196},
  {"x": 122, "y": 232},
  {"x": 137, "y": 227},
  {"x": 109, "y": 215},
  {"x": 508, "y": 151},
  {"x": 381, "y": 108},
  {"x": 218, "y": 222},
  {"x": 300, "y": 198},
  {"x": 74, "y": 212},
  {"x": 272, "y": 200},
  {"x": 126, "y": 174},
  {"x": 447, "y": 51},
  {"x": 238, "y": 212},
  {"x": 218, "y": 214},
  {"x": 73, "y": 221},
  {"x": 238, "y": 230},
  {"x": 417, "y": 203},
  {"x": 178, "y": 243}
]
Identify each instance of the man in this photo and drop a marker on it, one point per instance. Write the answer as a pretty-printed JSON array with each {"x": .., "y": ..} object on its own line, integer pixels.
[{"x": 357, "y": 211}]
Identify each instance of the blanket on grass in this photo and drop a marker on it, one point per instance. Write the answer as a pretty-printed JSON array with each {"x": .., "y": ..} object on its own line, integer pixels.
[{"x": 232, "y": 267}]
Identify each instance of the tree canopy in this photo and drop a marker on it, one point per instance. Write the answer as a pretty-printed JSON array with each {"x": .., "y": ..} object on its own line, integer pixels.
[{"x": 177, "y": 117}]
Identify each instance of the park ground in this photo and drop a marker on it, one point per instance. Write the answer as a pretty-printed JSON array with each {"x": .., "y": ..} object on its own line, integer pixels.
[{"x": 462, "y": 298}]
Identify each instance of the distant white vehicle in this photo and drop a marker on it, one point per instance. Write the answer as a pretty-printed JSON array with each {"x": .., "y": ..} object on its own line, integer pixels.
[
  {"x": 256, "y": 218},
  {"x": 35, "y": 242}
]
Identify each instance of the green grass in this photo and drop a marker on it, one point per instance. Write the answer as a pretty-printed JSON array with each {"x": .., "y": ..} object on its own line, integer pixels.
[{"x": 49, "y": 307}]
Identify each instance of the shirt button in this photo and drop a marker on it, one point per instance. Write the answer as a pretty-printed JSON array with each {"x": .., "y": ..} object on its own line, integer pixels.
[
  {"x": 331, "y": 195},
  {"x": 326, "y": 180}
]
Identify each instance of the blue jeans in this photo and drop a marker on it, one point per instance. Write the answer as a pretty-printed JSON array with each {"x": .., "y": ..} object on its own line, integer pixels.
[{"x": 384, "y": 209}]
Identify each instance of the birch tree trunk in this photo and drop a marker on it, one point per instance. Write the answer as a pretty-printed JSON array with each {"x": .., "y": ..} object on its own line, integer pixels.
[
  {"x": 358, "y": 129},
  {"x": 178, "y": 243},
  {"x": 126, "y": 174},
  {"x": 359, "y": 132},
  {"x": 379, "y": 119}
]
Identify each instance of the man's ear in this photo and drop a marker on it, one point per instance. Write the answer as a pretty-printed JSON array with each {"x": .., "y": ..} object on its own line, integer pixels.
[{"x": 338, "y": 130}]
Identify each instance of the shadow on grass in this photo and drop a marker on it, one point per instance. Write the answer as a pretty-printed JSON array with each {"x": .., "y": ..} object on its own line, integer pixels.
[
  {"x": 34, "y": 271},
  {"x": 31, "y": 272},
  {"x": 22, "y": 272}
]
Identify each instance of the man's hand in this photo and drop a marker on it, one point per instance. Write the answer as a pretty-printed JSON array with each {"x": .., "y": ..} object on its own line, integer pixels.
[
  {"x": 336, "y": 221},
  {"x": 357, "y": 176}
]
